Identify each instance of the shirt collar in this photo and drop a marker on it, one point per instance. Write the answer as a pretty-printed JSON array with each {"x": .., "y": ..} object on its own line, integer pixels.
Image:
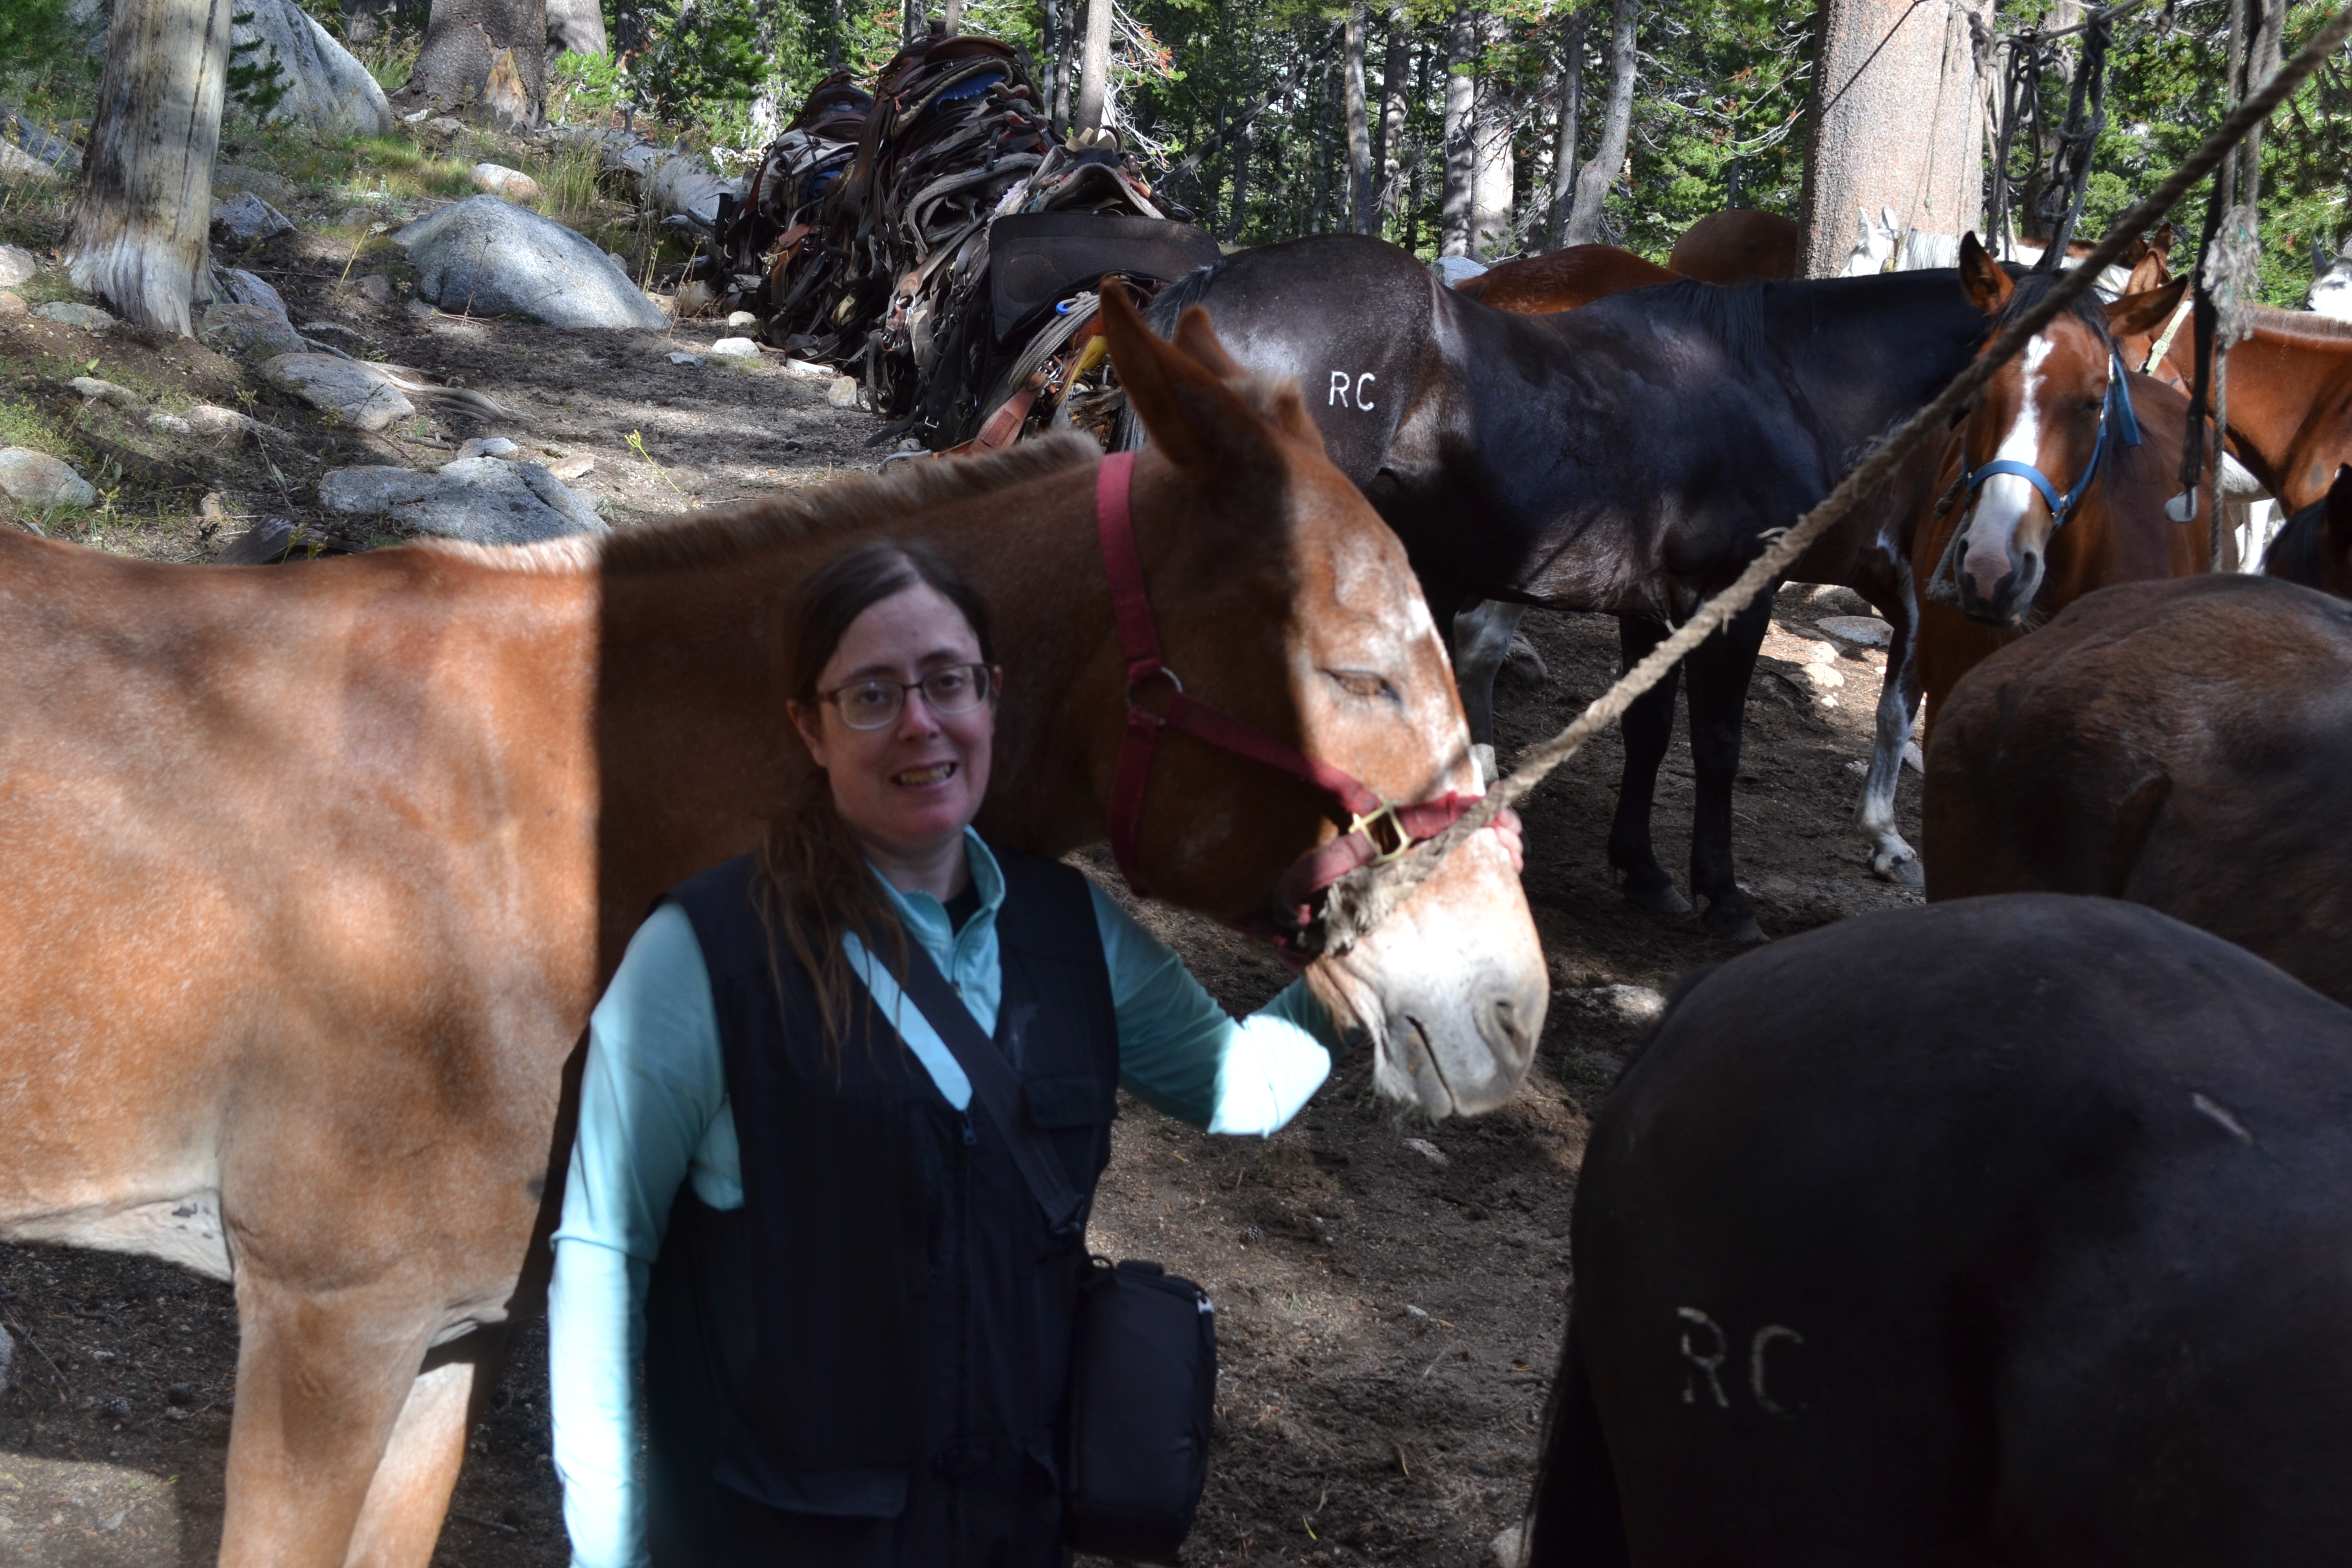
[{"x": 927, "y": 917}]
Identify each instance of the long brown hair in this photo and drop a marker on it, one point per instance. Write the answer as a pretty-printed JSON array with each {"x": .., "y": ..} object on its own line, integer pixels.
[{"x": 813, "y": 885}]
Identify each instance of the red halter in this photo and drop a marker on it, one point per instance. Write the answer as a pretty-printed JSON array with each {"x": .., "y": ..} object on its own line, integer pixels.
[{"x": 1374, "y": 831}]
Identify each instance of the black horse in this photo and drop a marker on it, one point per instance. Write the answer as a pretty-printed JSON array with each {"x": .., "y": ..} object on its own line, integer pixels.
[
  {"x": 1627, "y": 458},
  {"x": 2009, "y": 1230}
]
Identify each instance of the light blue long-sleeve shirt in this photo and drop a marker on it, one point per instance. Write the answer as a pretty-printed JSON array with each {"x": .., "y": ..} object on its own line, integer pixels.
[{"x": 654, "y": 1113}]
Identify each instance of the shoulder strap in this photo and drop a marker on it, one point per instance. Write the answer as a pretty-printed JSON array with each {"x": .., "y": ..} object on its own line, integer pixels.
[{"x": 995, "y": 1092}]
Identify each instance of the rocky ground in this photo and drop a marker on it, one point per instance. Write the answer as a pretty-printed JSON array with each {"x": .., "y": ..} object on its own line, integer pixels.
[{"x": 1391, "y": 1294}]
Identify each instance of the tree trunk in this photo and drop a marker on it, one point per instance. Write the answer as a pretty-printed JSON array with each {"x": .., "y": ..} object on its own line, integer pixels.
[
  {"x": 951, "y": 18},
  {"x": 1571, "y": 111},
  {"x": 487, "y": 52},
  {"x": 146, "y": 199},
  {"x": 1460, "y": 193},
  {"x": 1364, "y": 215},
  {"x": 1395, "y": 77},
  {"x": 1592, "y": 181},
  {"x": 1244, "y": 139},
  {"x": 1893, "y": 127},
  {"x": 1049, "y": 43},
  {"x": 836, "y": 27},
  {"x": 1094, "y": 69},
  {"x": 1494, "y": 184}
]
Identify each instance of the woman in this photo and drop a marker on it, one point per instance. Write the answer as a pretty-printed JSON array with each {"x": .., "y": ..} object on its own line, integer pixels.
[{"x": 853, "y": 1317}]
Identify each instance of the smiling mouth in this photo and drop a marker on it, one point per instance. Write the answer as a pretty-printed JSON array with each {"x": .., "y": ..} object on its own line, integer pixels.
[{"x": 916, "y": 778}]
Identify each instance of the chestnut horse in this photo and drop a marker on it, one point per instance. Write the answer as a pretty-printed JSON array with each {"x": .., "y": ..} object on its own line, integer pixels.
[
  {"x": 1562, "y": 279},
  {"x": 2186, "y": 745},
  {"x": 2008, "y": 1231},
  {"x": 1739, "y": 246},
  {"x": 312, "y": 876},
  {"x": 2054, "y": 486}
]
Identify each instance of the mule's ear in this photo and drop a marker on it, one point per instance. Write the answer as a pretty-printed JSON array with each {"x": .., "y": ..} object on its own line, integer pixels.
[
  {"x": 1987, "y": 286},
  {"x": 2161, "y": 241},
  {"x": 1200, "y": 424},
  {"x": 1197, "y": 338},
  {"x": 2135, "y": 314}
]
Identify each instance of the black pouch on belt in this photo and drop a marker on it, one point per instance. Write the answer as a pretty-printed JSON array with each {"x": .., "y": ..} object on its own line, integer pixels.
[{"x": 1144, "y": 1356}]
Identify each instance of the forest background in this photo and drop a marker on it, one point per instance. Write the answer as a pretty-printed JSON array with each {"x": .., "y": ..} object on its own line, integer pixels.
[{"x": 1476, "y": 116}]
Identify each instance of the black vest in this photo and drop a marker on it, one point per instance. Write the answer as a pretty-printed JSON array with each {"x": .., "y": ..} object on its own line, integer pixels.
[{"x": 870, "y": 1358}]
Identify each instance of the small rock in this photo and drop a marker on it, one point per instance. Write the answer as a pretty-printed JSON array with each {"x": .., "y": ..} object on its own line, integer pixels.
[
  {"x": 184, "y": 1394},
  {"x": 17, "y": 266},
  {"x": 1411, "y": 1311},
  {"x": 116, "y": 1409},
  {"x": 1858, "y": 631},
  {"x": 679, "y": 356},
  {"x": 735, "y": 348},
  {"x": 356, "y": 392},
  {"x": 253, "y": 333},
  {"x": 238, "y": 287},
  {"x": 332, "y": 329},
  {"x": 485, "y": 501},
  {"x": 266, "y": 543},
  {"x": 1633, "y": 1004},
  {"x": 445, "y": 125},
  {"x": 1833, "y": 599},
  {"x": 742, "y": 320},
  {"x": 95, "y": 391},
  {"x": 1824, "y": 677},
  {"x": 1436, "y": 1156},
  {"x": 376, "y": 288},
  {"x": 418, "y": 310},
  {"x": 501, "y": 181},
  {"x": 211, "y": 419},
  {"x": 572, "y": 469},
  {"x": 1858, "y": 768},
  {"x": 86, "y": 318},
  {"x": 39, "y": 480},
  {"x": 815, "y": 372},
  {"x": 11, "y": 304},
  {"x": 246, "y": 219},
  {"x": 843, "y": 392},
  {"x": 488, "y": 446},
  {"x": 169, "y": 424}
]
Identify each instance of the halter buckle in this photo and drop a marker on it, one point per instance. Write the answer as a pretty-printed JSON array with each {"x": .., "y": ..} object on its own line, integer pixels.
[
  {"x": 1156, "y": 672},
  {"x": 1369, "y": 825}
]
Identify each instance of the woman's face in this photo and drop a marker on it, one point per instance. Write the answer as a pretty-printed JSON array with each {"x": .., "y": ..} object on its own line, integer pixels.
[{"x": 908, "y": 789}]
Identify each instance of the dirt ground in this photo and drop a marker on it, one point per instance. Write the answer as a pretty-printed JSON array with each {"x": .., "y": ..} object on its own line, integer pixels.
[{"x": 1391, "y": 1294}]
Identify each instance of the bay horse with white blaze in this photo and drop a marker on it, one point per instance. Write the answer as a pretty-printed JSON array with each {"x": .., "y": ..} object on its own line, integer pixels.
[
  {"x": 1626, "y": 458},
  {"x": 323, "y": 1052},
  {"x": 2056, "y": 484},
  {"x": 2003, "y": 1231}
]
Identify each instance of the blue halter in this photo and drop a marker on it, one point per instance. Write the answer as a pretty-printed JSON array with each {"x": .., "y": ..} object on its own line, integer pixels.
[{"x": 2116, "y": 411}]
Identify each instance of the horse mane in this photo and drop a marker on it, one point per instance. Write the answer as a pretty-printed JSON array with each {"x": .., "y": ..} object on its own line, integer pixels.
[
  {"x": 2302, "y": 326},
  {"x": 1167, "y": 307},
  {"x": 852, "y": 504}
]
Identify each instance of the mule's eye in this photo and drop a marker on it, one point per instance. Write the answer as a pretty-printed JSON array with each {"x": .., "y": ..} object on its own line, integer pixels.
[{"x": 1362, "y": 683}]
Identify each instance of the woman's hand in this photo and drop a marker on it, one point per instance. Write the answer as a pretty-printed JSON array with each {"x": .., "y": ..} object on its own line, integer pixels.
[{"x": 1507, "y": 827}]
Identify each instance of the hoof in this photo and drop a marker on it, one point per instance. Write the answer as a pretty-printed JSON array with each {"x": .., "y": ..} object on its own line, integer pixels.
[
  {"x": 1732, "y": 920},
  {"x": 1664, "y": 901},
  {"x": 1900, "y": 868}
]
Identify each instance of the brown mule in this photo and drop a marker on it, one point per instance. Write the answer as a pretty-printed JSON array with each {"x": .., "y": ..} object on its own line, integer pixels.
[
  {"x": 2315, "y": 548},
  {"x": 1738, "y": 246},
  {"x": 2184, "y": 745},
  {"x": 312, "y": 874},
  {"x": 2043, "y": 495},
  {"x": 1562, "y": 279}
]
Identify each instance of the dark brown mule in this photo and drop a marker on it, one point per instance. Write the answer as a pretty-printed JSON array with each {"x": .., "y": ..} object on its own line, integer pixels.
[
  {"x": 2054, "y": 485},
  {"x": 2290, "y": 392},
  {"x": 1562, "y": 279},
  {"x": 2315, "y": 548},
  {"x": 2186, "y": 745},
  {"x": 2004, "y": 1232},
  {"x": 309, "y": 876},
  {"x": 1739, "y": 246}
]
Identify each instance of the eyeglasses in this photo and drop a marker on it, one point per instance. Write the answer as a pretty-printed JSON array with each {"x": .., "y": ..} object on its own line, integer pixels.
[{"x": 877, "y": 700}]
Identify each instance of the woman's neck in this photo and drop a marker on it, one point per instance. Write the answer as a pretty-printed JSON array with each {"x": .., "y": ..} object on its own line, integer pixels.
[{"x": 943, "y": 871}]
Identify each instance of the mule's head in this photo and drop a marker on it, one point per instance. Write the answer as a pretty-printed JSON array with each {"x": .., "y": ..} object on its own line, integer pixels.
[
  {"x": 2315, "y": 548},
  {"x": 2038, "y": 419},
  {"x": 1283, "y": 600}
]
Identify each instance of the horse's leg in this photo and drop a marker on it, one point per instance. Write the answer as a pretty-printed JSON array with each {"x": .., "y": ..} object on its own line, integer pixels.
[
  {"x": 323, "y": 1378},
  {"x": 1481, "y": 641},
  {"x": 1891, "y": 859},
  {"x": 409, "y": 1498},
  {"x": 1648, "y": 727},
  {"x": 1720, "y": 669}
]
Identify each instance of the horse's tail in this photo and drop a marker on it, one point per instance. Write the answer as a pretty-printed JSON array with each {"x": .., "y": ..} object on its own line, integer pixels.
[
  {"x": 1161, "y": 315},
  {"x": 1573, "y": 1520}
]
